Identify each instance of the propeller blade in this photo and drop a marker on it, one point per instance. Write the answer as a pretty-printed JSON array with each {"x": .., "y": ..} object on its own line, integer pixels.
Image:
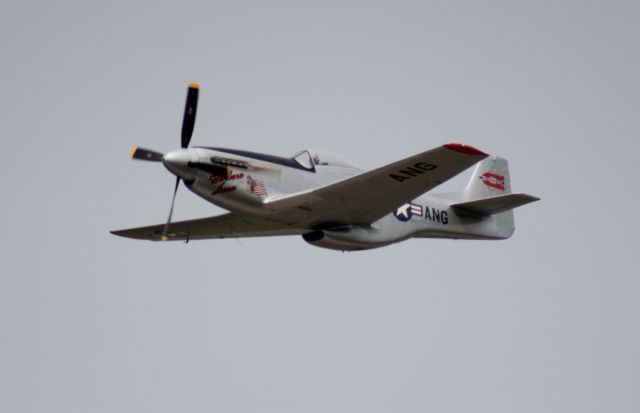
[
  {"x": 190, "y": 109},
  {"x": 146, "y": 154},
  {"x": 165, "y": 231}
]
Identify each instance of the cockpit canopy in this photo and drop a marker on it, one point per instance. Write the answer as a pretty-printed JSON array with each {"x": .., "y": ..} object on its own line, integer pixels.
[{"x": 309, "y": 158}]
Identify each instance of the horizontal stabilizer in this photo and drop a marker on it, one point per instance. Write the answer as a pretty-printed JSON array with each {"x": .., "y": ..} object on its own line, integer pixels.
[{"x": 495, "y": 204}]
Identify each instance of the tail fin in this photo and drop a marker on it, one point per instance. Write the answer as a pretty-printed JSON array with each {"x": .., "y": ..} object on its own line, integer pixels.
[
  {"x": 491, "y": 179},
  {"x": 488, "y": 196}
]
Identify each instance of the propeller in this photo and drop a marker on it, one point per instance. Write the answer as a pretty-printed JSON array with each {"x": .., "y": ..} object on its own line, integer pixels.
[
  {"x": 188, "y": 122},
  {"x": 146, "y": 154},
  {"x": 190, "y": 109},
  {"x": 165, "y": 230}
]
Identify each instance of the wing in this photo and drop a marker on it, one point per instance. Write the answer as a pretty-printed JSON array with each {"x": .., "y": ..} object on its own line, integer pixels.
[
  {"x": 365, "y": 198},
  {"x": 221, "y": 226}
]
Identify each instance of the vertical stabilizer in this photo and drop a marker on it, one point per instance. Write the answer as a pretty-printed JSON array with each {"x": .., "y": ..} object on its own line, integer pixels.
[{"x": 491, "y": 178}]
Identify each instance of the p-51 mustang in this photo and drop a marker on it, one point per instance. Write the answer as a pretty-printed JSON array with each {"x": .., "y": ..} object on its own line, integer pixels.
[{"x": 332, "y": 203}]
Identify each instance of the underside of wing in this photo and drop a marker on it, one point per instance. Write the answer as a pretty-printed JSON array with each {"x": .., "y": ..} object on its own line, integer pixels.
[
  {"x": 221, "y": 226},
  {"x": 365, "y": 198}
]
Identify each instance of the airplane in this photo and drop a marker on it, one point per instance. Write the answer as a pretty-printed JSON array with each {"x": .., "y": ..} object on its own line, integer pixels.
[{"x": 329, "y": 201}]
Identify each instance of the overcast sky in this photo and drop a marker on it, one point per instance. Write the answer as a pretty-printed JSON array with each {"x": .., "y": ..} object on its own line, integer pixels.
[{"x": 547, "y": 321}]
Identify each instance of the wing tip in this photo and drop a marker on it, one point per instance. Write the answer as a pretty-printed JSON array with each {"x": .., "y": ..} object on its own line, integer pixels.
[
  {"x": 119, "y": 232},
  {"x": 466, "y": 149},
  {"x": 150, "y": 234},
  {"x": 126, "y": 233}
]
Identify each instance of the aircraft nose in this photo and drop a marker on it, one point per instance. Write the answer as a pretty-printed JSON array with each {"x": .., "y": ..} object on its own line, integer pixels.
[{"x": 177, "y": 162}]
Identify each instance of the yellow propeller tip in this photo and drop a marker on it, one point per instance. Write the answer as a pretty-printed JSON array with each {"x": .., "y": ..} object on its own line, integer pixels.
[
  {"x": 194, "y": 85},
  {"x": 133, "y": 152}
]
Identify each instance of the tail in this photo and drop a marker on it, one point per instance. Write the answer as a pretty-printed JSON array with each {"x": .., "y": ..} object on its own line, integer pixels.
[
  {"x": 489, "y": 193},
  {"x": 490, "y": 178}
]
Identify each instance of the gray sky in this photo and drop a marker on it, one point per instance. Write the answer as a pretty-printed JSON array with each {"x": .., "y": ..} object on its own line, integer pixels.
[{"x": 546, "y": 321}]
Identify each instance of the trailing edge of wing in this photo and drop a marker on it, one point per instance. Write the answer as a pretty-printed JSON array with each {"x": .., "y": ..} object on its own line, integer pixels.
[
  {"x": 496, "y": 204},
  {"x": 221, "y": 226}
]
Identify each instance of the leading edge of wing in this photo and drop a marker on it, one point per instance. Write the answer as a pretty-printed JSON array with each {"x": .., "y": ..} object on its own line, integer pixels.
[
  {"x": 221, "y": 226},
  {"x": 367, "y": 197}
]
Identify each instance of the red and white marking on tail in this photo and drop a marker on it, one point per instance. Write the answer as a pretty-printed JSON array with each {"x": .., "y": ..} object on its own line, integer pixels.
[{"x": 493, "y": 180}]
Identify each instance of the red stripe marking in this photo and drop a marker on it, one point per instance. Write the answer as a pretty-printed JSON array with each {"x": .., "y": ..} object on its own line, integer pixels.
[
  {"x": 492, "y": 175},
  {"x": 493, "y": 180},
  {"x": 467, "y": 149}
]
